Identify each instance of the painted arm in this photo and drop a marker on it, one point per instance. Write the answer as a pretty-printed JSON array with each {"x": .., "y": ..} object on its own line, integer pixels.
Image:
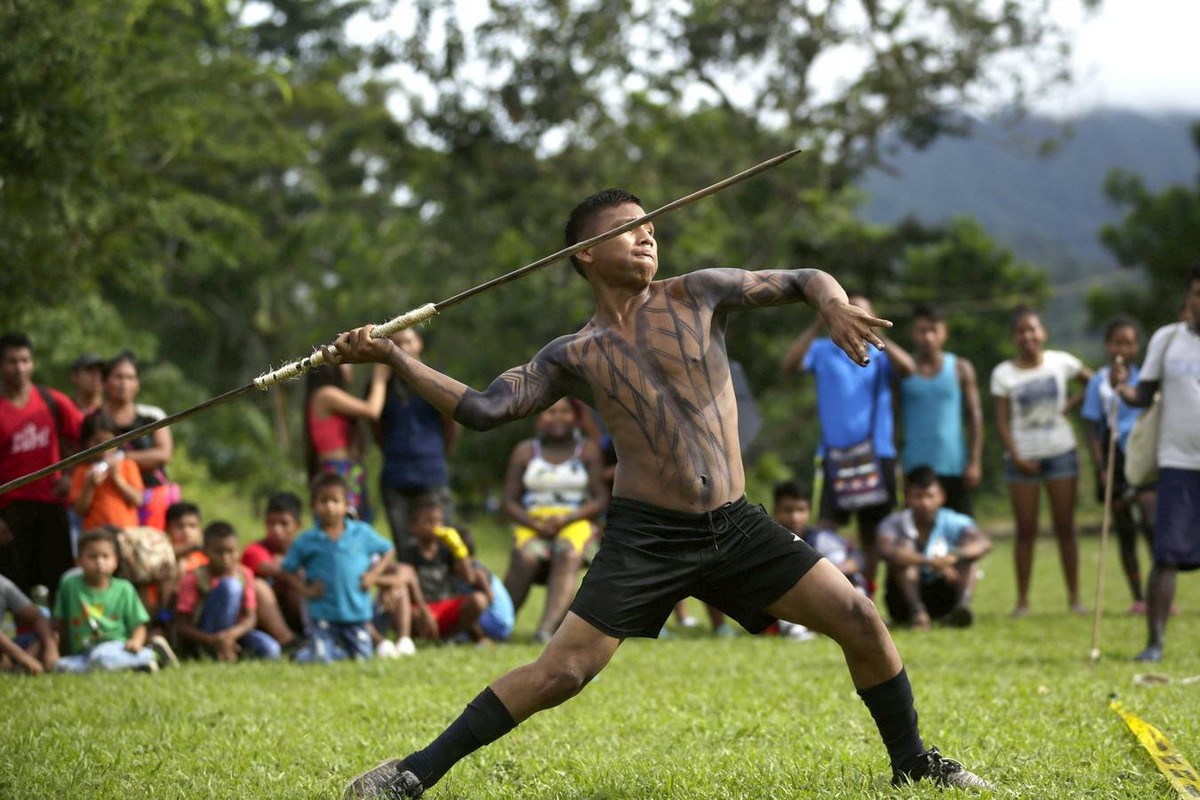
[{"x": 519, "y": 392}]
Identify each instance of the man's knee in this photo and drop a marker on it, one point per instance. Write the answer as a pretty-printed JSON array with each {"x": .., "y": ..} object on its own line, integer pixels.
[{"x": 563, "y": 679}]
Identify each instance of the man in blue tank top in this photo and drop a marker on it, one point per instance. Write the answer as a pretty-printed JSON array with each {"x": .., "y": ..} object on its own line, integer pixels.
[{"x": 941, "y": 413}]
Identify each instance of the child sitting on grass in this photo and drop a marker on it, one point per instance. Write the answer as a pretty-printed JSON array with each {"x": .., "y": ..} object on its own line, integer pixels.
[
  {"x": 439, "y": 558},
  {"x": 106, "y": 490},
  {"x": 280, "y": 594},
  {"x": 35, "y": 651},
  {"x": 184, "y": 528},
  {"x": 216, "y": 609},
  {"x": 101, "y": 621},
  {"x": 336, "y": 557}
]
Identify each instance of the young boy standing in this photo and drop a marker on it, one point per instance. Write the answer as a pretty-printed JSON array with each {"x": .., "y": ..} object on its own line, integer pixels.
[
  {"x": 339, "y": 559},
  {"x": 101, "y": 621},
  {"x": 217, "y": 609}
]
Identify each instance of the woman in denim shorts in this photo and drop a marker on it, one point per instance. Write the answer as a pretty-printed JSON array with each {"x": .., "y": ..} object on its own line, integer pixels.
[{"x": 1031, "y": 393}]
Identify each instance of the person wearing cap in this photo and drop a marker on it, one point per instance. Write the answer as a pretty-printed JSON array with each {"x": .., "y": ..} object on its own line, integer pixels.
[{"x": 87, "y": 374}]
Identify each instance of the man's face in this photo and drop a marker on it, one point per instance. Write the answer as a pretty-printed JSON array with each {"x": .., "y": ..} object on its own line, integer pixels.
[
  {"x": 122, "y": 383},
  {"x": 222, "y": 555},
  {"x": 425, "y": 522},
  {"x": 16, "y": 367},
  {"x": 281, "y": 527},
  {"x": 185, "y": 531},
  {"x": 928, "y": 335},
  {"x": 330, "y": 506},
  {"x": 792, "y": 513},
  {"x": 98, "y": 560},
  {"x": 631, "y": 257},
  {"x": 89, "y": 380},
  {"x": 924, "y": 501}
]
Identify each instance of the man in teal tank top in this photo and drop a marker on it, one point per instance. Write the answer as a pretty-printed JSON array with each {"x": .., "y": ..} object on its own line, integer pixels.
[{"x": 941, "y": 412}]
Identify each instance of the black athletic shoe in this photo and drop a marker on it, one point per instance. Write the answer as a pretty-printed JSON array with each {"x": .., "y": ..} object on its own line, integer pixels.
[
  {"x": 941, "y": 772},
  {"x": 390, "y": 780}
]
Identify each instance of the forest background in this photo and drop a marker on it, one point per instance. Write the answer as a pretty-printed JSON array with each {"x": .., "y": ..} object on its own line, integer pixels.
[{"x": 220, "y": 186}]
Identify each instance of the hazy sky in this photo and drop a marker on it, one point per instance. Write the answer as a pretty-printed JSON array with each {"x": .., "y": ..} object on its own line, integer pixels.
[{"x": 1138, "y": 53}]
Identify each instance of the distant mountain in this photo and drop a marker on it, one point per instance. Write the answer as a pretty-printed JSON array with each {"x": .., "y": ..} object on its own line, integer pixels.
[
  {"x": 1047, "y": 208},
  {"x": 1041, "y": 206}
]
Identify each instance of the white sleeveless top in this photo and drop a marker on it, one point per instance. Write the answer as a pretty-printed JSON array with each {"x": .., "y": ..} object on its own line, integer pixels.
[{"x": 547, "y": 484}]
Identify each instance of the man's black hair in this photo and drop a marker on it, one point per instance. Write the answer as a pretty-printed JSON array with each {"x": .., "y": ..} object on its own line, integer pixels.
[
  {"x": 14, "y": 341},
  {"x": 215, "y": 531},
  {"x": 285, "y": 503},
  {"x": 789, "y": 490},
  {"x": 179, "y": 510},
  {"x": 929, "y": 312},
  {"x": 1119, "y": 322},
  {"x": 921, "y": 477},
  {"x": 583, "y": 213}
]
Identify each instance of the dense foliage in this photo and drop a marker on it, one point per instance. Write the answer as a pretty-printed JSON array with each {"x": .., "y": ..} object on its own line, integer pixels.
[{"x": 222, "y": 185}]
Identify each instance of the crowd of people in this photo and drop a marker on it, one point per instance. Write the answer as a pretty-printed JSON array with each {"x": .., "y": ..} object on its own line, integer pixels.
[{"x": 124, "y": 573}]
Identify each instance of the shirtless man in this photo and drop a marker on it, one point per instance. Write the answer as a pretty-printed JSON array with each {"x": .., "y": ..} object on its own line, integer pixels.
[{"x": 652, "y": 361}]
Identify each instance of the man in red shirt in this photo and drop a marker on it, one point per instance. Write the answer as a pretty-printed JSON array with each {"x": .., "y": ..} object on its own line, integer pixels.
[{"x": 37, "y": 427}]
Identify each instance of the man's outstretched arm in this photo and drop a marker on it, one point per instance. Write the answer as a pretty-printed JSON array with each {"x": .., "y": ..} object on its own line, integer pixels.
[
  {"x": 851, "y": 328},
  {"x": 519, "y": 392}
]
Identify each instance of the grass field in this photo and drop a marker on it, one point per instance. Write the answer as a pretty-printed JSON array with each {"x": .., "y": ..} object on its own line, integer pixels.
[{"x": 688, "y": 717}]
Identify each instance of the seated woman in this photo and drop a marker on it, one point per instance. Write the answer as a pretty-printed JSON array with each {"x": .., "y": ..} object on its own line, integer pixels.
[
  {"x": 332, "y": 437},
  {"x": 553, "y": 490}
]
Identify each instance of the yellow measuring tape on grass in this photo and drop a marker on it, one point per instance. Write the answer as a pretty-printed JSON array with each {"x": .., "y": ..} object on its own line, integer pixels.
[{"x": 1169, "y": 761}]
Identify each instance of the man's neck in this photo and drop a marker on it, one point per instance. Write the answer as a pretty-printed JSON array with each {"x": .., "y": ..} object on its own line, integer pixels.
[
  {"x": 18, "y": 394},
  {"x": 616, "y": 305},
  {"x": 929, "y": 361}
]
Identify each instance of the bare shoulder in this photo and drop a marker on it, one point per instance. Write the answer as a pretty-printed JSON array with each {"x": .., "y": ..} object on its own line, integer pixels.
[
  {"x": 966, "y": 370},
  {"x": 735, "y": 287}
]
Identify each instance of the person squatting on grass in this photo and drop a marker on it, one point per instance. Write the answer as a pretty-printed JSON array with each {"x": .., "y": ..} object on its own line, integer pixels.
[
  {"x": 931, "y": 552},
  {"x": 652, "y": 361},
  {"x": 1173, "y": 365}
]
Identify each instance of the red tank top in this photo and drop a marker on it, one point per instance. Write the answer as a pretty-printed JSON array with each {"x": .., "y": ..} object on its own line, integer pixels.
[{"x": 330, "y": 434}]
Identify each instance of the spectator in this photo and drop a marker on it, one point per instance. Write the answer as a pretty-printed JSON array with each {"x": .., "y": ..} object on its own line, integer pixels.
[
  {"x": 152, "y": 451},
  {"x": 332, "y": 440},
  {"x": 101, "y": 621},
  {"x": 279, "y": 594},
  {"x": 1172, "y": 365},
  {"x": 792, "y": 510},
  {"x": 415, "y": 438},
  {"x": 854, "y": 407},
  {"x": 336, "y": 556},
  {"x": 38, "y": 426},
  {"x": 87, "y": 375},
  {"x": 931, "y": 553},
  {"x": 107, "y": 489},
  {"x": 439, "y": 556},
  {"x": 554, "y": 489},
  {"x": 1121, "y": 340},
  {"x": 217, "y": 609},
  {"x": 1030, "y": 392},
  {"x": 940, "y": 409},
  {"x": 185, "y": 530},
  {"x": 35, "y": 651}
]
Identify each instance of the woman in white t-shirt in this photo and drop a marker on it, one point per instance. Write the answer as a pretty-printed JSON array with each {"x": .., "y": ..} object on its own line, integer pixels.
[{"x": 1031, "y": 394}]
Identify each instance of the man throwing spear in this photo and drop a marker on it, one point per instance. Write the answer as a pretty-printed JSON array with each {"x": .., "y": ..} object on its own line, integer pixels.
[{"x": 652, "y": 361}]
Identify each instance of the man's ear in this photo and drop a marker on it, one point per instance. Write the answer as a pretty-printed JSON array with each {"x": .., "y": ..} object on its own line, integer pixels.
[{"x": 585, "y": 256}]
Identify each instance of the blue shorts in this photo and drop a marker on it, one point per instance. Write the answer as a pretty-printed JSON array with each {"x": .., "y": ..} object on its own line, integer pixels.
[
  {"x": 1177, "y": 529},
  {"x": 336, "y": 641},
  {"x": 1054, "y": 468}
]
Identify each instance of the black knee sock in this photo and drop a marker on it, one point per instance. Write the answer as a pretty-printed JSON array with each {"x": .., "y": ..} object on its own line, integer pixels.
[
  {"x": 891, "y": 705},
  {"x": 484, "y": 720}
]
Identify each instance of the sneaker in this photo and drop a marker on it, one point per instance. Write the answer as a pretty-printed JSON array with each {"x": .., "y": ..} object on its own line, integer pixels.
[
  {"x": 942, "y": 772},
  {"x": 405, "y": 646},
  {"x": 164, "y": 656},
  {"x": 689, "y": 622},
  {"x": 724, "y": 631},
  {"x": 387, "y": 649},
  {"x": 1151, "y": 655},
  {"x": 390, "y": 780}
]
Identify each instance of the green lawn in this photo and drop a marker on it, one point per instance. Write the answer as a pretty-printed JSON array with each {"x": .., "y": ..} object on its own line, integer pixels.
[{"x": 689, "y": 717}]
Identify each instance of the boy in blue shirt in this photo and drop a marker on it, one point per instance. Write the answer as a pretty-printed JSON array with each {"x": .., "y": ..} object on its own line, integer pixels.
[
  {"x": 342, "y": 559},
  {"x": 931, "y": 553}
]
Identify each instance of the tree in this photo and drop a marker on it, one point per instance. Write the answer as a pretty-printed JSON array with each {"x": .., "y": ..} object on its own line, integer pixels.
[{"x": 1160, "y": 237}]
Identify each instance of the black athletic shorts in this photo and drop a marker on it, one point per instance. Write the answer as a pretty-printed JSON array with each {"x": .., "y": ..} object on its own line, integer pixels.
[{"x": 735, "y": 558}]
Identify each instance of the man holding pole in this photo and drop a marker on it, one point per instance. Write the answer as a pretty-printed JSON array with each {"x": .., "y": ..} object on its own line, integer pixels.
[{"x": 652, "y": 360}]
